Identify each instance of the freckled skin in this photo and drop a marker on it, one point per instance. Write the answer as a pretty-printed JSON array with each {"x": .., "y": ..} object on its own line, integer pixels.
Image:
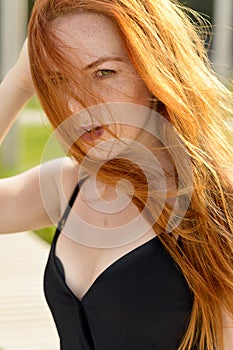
[
  {"x": 103, "y": 39},
  {"x": 119, "y": 83}
]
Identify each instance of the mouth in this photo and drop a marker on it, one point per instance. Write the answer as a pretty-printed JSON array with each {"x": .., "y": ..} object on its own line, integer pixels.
[{"x": 92, "y": 134}]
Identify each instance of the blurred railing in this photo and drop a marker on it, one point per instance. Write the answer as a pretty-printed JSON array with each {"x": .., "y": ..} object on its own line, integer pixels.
[{"x": 13, "y": 27}]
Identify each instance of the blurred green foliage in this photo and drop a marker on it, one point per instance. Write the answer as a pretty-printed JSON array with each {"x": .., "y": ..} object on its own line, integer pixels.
[
  {"x": 33, "y": 104},
  {"x": 32, "y": 141},
  {"x": 46, "y": 234}
]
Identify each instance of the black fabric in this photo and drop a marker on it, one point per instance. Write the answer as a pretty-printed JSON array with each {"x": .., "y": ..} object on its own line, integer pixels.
[{"x": 140, "y": 302}]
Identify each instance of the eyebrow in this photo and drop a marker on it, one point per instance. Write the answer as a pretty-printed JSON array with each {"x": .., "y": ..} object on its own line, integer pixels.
[{"x": 102, "y": 60}]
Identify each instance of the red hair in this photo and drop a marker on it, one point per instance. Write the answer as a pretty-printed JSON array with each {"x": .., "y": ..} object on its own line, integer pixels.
[{"x": 169, "y": 55}]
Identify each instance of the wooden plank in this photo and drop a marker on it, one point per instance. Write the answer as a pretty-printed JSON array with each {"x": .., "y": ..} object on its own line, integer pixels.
[{"x": 25, "y": 319}]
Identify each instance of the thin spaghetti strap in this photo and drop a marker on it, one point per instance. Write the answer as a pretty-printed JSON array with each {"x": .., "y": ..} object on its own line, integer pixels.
[{"x": 70, "y": 204}]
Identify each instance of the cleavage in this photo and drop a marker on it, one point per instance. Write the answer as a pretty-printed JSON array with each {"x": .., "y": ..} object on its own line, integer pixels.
[{"x": 83, "y": 265}]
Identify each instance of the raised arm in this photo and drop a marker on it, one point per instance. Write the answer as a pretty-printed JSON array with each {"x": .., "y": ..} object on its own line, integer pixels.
[
  {"x": 15, "y": 90},
  {"x": 26, "y": 202}
]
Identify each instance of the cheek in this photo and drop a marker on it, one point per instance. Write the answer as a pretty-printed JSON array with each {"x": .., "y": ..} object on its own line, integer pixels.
[
  {"x": 136, "y": 126},
  {"x": 130, "y": 132},
  {"x": 136, "y": 90},
  {"x": 127, "y": 87}
]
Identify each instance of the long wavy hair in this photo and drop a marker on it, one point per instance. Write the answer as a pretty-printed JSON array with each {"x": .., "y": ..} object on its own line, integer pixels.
[{"x": 168, "y": 51}]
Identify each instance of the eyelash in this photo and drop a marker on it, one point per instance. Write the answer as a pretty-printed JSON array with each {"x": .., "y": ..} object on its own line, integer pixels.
[
  {"x": 58, "y": 79},
  {"x": 104, "y": 76}
]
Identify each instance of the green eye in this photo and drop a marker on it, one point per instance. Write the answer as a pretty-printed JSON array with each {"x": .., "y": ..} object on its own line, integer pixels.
[{"x": 104, "y": 72}]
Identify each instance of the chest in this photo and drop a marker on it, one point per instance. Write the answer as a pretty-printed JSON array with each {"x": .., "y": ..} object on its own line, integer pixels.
[
  {"x": 82, "y": 248},
  {"x": 141, "y": 301},
  {"x": 82, "y": 265}
]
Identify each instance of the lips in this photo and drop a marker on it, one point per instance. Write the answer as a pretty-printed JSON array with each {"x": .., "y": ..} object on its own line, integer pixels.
[{"x": 92, "y": 134}]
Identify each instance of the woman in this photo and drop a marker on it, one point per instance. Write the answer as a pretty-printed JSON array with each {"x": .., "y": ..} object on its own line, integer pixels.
[{"x": 129, "y": 91}]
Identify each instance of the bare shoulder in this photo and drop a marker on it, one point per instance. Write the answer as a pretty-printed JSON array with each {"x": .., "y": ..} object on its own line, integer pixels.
[
  {"x": 60, "y": 168},
  {"x": 65, "y": 176},
  {"x": 35, "y": 197},
  {"x": 227, "y": 330},
  {"x": 61, "y": 173}
]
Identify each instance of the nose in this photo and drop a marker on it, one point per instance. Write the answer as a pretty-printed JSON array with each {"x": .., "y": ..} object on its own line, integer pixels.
[
  {"x": 74, "y": 106},
  {"x": 83, "y": 117}
]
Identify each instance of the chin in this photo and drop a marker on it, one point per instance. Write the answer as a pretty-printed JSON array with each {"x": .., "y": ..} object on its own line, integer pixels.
[{"x": 107, "y": 150}]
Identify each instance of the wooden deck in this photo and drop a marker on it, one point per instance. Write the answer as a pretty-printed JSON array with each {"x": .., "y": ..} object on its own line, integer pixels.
[{"x": 25, "y": 320}]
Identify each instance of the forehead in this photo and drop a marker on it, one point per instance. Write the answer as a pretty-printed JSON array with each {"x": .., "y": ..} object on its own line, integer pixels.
[{"x": 91, "y": 35}]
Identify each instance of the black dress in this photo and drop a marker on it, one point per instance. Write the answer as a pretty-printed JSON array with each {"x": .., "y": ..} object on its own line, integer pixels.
[{"x": 140, "y": 302}]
